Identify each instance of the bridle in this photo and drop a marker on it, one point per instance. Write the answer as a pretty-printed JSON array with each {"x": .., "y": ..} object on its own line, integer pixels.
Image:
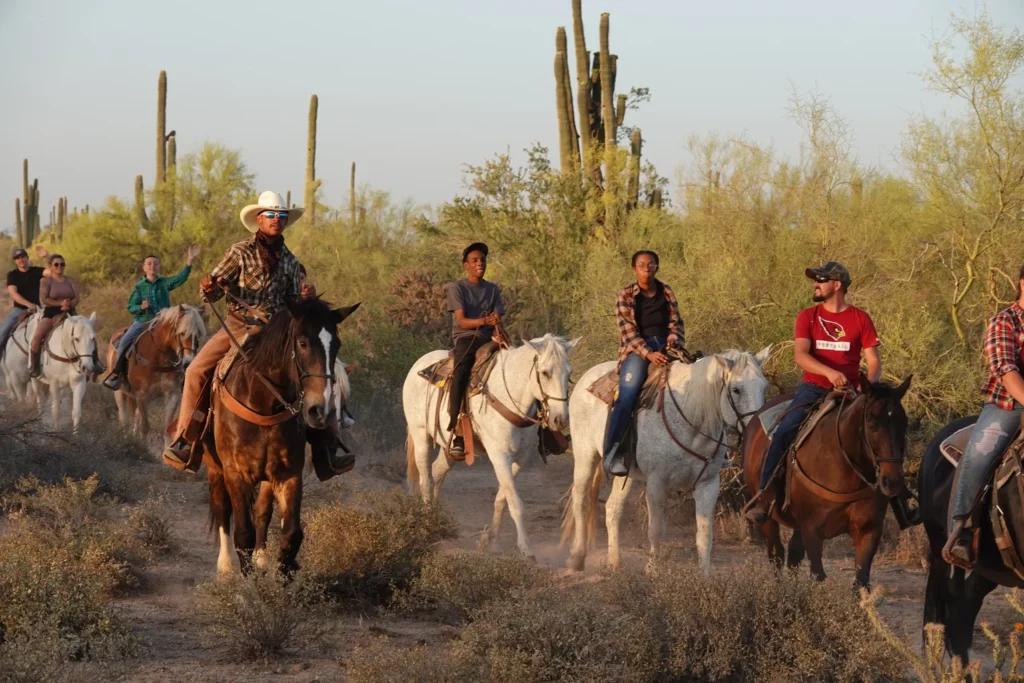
[
  {"x": 74, "y": 358},
  {"x": 179, "y": 363},
  {"x": 873, "y": 457},
  {"x": 544, "y": 410}
]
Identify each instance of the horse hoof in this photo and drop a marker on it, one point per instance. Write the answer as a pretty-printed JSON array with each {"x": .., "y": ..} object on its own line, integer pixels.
[{"x": 576, "y": 562}]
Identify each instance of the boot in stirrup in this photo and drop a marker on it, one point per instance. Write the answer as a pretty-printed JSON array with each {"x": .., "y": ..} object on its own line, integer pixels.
[{"x": 35, "y": 371}]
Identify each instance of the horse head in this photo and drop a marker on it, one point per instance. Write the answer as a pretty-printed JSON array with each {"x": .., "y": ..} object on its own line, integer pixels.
[
  {"x": 312, "y": 334},
  {"x": 78, "y": 342},
  {"x": 549, "y": 384},
  {"x": 885, "y": 432},
  {"x": 743, "y": 387},
  {"x": 181, "y": 329}
]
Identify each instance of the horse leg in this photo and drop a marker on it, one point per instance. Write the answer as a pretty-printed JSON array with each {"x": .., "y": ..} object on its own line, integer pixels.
[
  {"x": 263, "y": 511},
  {"x": 773, "y": 541},
  {"x": 220, "y": 516},
  {"x": 421, "y": 447},
  {"x": 656, "y": 517},
  {"x": 613, "y": 516},
  {"x": 123, "y": 410},
  {"x": 438, "y": 471},
  {"x": 815, "y": 546},
  {"x": 171, "y": 404},
  {"x": 507, "y": 487},
  {"x": 705, "y": 497},
  {"x": 245, "y": 533},
  {"x": 77, "y": 394},
  {"x": 289, "y": 502},
  {"x": 865, "y": 545},
  {"x": 796, "y": 551},
  {"x": 491, "y": 532},
  {"x": 55, "y": 406},
  {"x": 582, "y": 479},
  {"x": 142, "y": 416}
]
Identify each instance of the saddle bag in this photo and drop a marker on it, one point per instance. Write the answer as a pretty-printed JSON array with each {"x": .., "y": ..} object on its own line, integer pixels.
[{"x": 1006, "y": 511}]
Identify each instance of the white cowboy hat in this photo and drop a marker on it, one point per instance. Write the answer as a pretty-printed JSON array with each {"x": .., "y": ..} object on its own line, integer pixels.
[{"x": 268, "y": 201}]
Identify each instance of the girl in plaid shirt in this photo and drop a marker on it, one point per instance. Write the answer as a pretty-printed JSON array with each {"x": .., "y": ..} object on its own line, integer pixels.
[{"x": 997, "y": 425}]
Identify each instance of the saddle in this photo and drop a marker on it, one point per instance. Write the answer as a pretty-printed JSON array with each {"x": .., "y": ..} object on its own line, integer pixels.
[
  {"x": 606, "y": 387},
  {"x": 440, "y": 372}
]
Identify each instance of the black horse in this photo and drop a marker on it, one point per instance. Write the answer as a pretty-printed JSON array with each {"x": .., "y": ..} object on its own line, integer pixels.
[{"x": 954, "y": 599}]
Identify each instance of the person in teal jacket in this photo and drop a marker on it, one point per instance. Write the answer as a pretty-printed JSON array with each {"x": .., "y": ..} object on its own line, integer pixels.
[{"x": 151, "y": 295}]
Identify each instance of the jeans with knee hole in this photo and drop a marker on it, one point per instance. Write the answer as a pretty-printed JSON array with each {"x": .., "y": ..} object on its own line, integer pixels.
[
  {"x": 632, "y": 376},
  {"x": 990, "y": 436}
]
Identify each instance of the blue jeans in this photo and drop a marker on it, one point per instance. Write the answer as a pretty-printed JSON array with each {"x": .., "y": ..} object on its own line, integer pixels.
[
  {"x": 807, "y": 395},
  {"x": 990, "y": 436},
  {"x": 632, "y": 376},
  {"x": 130, "y": 335},
  {"x": 7, "y": 327}
]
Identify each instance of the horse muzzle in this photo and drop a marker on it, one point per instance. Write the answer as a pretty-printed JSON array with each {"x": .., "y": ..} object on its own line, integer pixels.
[{"x": 316, "y": 416}]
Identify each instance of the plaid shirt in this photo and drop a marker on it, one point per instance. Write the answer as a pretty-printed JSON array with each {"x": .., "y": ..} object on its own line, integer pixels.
[
  {"x": 1004, "y": 341},
  {"x": 158, "y": 293},
  {"x": 243, "y": 267},
  {"x": 630, "y": 340}
]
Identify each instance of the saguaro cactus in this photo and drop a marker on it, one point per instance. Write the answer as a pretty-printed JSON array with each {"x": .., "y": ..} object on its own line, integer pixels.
[
  {"x": 562, "y": 104},
  {"x": 583, "y": 102},
  {"x": 610, "y": 200},
  {"x": 311, "y": 181},
  {"x": 633, "y": 183},
  {"x": 17, "y": 223},
  {"x": 161, "y": 130},
  {"x": 29, "y": 207},
  {"x": 62, "y": 208},
  {"x": 140, "y": 204},
  {"x": 352, "y": 194}
]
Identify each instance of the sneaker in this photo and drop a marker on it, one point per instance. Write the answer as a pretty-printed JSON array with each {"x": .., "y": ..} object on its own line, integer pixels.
[{"x": 458, "y": 449}]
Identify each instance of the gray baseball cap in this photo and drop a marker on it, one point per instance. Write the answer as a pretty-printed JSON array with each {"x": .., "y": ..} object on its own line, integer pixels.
[{"x": 833, "y": 270}]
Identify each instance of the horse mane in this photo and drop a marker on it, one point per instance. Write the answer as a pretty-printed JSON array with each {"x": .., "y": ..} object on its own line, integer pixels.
[
  {"x": 190, "y": 323},
  {"x": 267, "y": 349},
  {"x": 342, "y": 378},
  {"x": 701, "y": 399},
  {"x": 553, "y": 348}
]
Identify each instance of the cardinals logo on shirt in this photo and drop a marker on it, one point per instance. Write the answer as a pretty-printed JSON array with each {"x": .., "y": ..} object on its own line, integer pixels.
[{"x": 835, "y": 332}]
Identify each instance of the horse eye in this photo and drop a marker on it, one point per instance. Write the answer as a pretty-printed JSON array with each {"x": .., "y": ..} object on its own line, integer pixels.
[
  {"x": 302, "y": 344},
  {"x": 546, "y": 374},
  {"x": 736, "y": 391}
]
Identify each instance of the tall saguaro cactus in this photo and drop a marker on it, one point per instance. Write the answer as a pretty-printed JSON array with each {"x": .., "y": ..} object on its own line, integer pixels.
[
  {"x": 352, "y": 194},
  {"x": 17, "y": 222},
  {"x": 161, "y": 130},
  {"x": 583, "y": 103},
  {"x": 311, "y": 181},
  {"x": 610, "y": 198},
  {"x": 140, "y": 204},
  {"x": 29, "y": 207},
  {"x": 633, "y": 181}
]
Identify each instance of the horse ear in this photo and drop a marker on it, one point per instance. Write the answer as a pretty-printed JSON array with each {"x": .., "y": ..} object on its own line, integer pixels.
[
  {"x": 92, "y": 318},
  {"x": 763, "y": 355},
  {"x": 339, "y": 314},
  {"x": 902, "y": 388},
  {"x": 726, "y": 363},
  {"x": 573, "y": 343}
]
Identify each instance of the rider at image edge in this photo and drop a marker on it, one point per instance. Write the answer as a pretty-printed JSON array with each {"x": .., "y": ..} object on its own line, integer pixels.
[
  {"x": 150, "y": 295},
  {"x": 476, "y": 309},
  {"x": 828, "y": 341},
  {"x": 23, "y": 288}
]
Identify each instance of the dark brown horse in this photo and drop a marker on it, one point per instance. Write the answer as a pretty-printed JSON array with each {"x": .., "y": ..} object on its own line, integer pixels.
[
  {"x": 840, "y": 480},
  {"x": 281, "y": 387},
  {"x": 952, "y": 598}
]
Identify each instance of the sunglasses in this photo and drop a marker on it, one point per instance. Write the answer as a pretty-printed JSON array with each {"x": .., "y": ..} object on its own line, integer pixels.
[
  {"x": 821, "y": 279},
  {"x": 283, "y": 215},
  {"x": 59, "y": 264}
]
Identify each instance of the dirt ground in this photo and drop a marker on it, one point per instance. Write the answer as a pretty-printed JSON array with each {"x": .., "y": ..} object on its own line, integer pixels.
[{"x": 164, "y": 613}]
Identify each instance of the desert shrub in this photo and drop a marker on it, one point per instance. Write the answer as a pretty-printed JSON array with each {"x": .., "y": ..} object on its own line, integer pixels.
[
  {"x": 384, "y": 662},
  {"x": 263, "y": 614},
  {"x": 369, "y": 548},
  {"x": 468, "y": 581},
  {"x": 149, "y": 526},
  {"x": 670, "y": 624}
]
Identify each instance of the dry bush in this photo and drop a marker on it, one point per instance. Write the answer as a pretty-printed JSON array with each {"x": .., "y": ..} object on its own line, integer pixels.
[
  {"x": 906, "y": 548},
  {"x": 148, "y": 524},
  {"x": 370, "y": 548},
  {"x": 384, "y": 662},
  {"x": 468, "y": 581},
  {"x": 263, "y": 614},
  {"x": 751, "y": 624}
]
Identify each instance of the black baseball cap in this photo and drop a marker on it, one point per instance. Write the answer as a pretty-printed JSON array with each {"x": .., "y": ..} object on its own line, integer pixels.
[
  {"x": 833, "y": 270},
  {"x": 476, "y": 246},
  {"x": 18, "y": 253}
]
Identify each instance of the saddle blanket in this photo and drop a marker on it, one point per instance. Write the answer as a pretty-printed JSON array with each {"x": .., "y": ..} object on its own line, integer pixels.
[{"x": 606, "y": 387}]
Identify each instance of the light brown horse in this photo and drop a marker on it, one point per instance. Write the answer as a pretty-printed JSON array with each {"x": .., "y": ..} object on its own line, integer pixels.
[
  {"x": 157, "y": 364},
  {"x": 840, "y": 480},
  {"x": 281, "y": 387}
]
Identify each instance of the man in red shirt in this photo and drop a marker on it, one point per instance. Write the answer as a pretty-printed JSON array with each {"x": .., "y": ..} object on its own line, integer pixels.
[{"x": 828, "y": 340}]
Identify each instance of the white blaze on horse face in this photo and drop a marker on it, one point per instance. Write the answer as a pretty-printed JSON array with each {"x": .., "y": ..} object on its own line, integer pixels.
[{"x": 325, "y": 339}]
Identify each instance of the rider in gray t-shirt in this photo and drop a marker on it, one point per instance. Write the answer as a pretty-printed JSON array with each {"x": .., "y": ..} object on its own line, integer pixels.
[{"x": 476, "y": 309}]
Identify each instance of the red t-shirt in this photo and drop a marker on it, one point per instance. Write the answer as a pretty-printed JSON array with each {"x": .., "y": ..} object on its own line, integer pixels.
[{"x": 836, "y": 340}]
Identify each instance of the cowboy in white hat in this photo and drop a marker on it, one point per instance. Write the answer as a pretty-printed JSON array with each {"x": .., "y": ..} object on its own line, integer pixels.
[{"x": 261, "y": 272}]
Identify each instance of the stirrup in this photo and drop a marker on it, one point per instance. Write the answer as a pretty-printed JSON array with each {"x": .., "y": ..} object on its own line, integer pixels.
[
  {"x": 755, "y": 511},
  {"x": 614, "y": 464},
  {"x": 958, "y": 551},
  {"x": 457, "y": 449},
  {"x": 112, "y": 381}
]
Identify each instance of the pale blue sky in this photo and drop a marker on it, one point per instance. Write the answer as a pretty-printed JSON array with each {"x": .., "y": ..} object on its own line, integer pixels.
[{"x": 412, "y": 91}]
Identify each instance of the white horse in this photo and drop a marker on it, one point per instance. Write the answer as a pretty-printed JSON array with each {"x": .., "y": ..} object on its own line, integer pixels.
[
  {"x": 681, "y": 447},
  {"x": 67, "y": 361},
  {"x": 15, "y": 362},
  {"x": 525, "y": 379}
]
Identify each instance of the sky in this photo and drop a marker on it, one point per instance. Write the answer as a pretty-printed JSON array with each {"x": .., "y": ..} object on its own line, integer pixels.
[{"x": 413, "y": 91}]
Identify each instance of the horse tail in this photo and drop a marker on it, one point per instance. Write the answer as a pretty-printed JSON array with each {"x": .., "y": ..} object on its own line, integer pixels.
[
  {"x": 935, "y": 607},
  {"x": 412, "y": 473},
  {"x": 590, "y": 521}
]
